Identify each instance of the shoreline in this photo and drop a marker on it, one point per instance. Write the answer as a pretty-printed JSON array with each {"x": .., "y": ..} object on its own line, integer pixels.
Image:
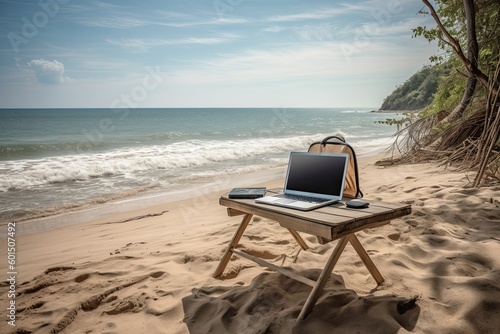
[
  {"x": 89, "y": 213},
  {"x": 143, "y": 202}
]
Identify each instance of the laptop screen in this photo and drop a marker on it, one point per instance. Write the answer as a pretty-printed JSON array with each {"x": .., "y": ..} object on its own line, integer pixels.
[{"x": 316, "y": 174}]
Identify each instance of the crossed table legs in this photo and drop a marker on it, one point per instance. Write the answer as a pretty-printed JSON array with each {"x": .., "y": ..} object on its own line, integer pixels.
[{"x": 318, "y": 285}]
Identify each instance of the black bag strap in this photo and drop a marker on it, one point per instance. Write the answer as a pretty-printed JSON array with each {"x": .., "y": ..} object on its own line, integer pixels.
[
  {"x": 359, "y": 193},
  {"x": 338, "y": 137},
  {"x": 338, "y": 140}
]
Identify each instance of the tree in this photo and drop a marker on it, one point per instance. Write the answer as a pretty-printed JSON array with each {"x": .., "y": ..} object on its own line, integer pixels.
[
  {"x": 418, "y": 91},
  {"x": 472, "y": 138},
  {"x": 469, "y": 60}
]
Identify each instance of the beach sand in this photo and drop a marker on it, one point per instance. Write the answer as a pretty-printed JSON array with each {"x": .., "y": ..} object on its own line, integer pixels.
[{"x": 150, "y": 270}]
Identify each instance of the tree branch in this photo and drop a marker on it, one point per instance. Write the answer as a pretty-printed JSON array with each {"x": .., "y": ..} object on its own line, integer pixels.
[
  {"x": 471, "y": 67},
  {"x": 451, "y": 41}
]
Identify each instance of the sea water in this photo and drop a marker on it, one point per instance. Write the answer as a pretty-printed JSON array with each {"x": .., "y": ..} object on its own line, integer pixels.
[{"x": 57, "y": 160}]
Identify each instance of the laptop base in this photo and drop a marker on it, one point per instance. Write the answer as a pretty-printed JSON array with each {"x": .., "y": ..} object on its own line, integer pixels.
[{"x": 293, "y": 204}]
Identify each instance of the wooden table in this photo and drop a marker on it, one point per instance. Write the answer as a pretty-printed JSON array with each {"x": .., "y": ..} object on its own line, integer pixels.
[{"x": 327, "y": 223}]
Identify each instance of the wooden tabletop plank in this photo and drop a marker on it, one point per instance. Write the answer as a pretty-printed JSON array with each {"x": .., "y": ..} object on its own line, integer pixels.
[
  {"x": 342, "y": 210},
  {"x": 387, "y": 205},
  {"x": 370, "y": 222},
  {"x": 313, "y": 216},
  {"x": 331, "y": 222}
]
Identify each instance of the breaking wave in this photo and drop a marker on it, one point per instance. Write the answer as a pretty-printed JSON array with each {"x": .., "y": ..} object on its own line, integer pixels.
[{"x": 24, "y": 174}]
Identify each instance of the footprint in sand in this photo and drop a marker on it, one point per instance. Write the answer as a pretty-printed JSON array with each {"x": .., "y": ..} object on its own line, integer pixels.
[
  {"x": 260, "y": 253},
  {"x": 394, "y": 236},
  {"x": 412, "y": 190},
  {"x": 50, "y": 270},
  {"x": 255, "y": 237},
  {"x": 81, "y": 278},
  {"x": 126, "y": 306},
  {"x": 157, "y": 274},
  {"x": 32, "y": 307}
]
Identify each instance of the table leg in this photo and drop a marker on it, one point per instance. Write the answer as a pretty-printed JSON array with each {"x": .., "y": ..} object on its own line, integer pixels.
[
  {"x": 234, "y": 242},
  {"x": 323, "y": 277},
  {"x": 299, "y": 239},
  {"x": 366, "y": 259}
]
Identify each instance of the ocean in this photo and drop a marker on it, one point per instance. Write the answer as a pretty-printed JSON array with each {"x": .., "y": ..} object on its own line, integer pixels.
[{"x": 57, "y": 160}]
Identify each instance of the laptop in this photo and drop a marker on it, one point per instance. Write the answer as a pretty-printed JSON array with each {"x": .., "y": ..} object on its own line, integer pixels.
[{"x": 313, "y": 180}]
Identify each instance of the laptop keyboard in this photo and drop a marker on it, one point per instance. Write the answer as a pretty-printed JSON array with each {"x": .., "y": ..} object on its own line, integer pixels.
[{"x": 303, "y": 198}]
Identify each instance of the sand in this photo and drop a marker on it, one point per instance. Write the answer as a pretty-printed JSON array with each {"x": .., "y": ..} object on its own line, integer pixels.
[{"x": 149, "y": 270}]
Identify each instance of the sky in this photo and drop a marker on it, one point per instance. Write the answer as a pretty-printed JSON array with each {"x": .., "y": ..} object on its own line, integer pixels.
[{"x": 207, "y": 53}]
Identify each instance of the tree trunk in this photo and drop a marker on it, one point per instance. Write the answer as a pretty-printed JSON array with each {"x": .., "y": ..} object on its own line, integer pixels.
[
  {"x": 464, "y": 102},
  {"x": 472, "y": 56}
]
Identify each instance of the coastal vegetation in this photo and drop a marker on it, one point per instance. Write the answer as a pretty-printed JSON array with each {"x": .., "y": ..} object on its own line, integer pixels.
[
  {"x": 418, "y": 91},
  {"x": 460, "y": 122}
]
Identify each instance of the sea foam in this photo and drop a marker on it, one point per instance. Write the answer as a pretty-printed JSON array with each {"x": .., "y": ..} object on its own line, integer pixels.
[{"x": 23, "y": 174}]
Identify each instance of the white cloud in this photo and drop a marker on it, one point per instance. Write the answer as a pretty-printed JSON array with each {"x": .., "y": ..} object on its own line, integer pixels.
[
  {"x": 142, "y": 44},
  {"x": 303, "y": 61},
  {"x": 50, "y": 72},
  {"x": 319, "y": 32},
  {"x": 313, "y": 15},
  {"x": 112, "y": 22},
  {"x": 274, "y": 29}
]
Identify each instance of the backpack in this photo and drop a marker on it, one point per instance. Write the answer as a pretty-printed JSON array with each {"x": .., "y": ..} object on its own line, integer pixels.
[{"x": 337, "y": 144}]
